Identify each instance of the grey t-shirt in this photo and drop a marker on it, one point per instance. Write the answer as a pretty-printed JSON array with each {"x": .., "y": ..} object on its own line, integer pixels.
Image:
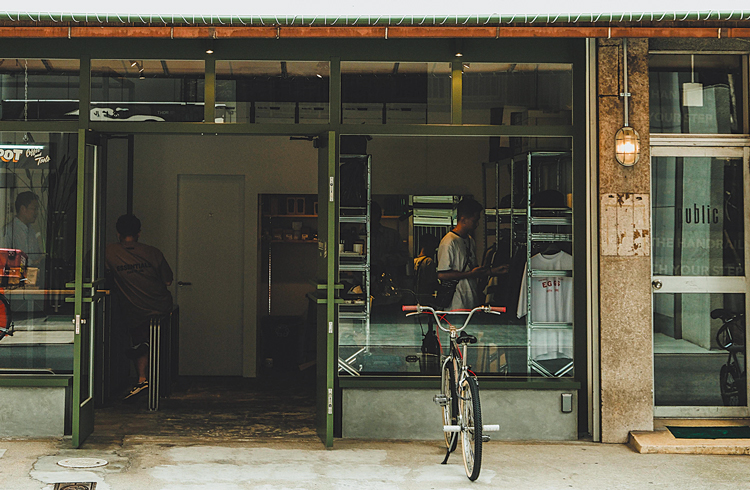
[
  {"x": 459, "y": 254},
  {"x": 141, "y": 274}
]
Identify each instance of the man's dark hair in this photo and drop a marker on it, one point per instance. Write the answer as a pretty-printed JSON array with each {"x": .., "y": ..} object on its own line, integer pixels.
[
  {"x": 128, "y": 225},
  {"x": 24, "y": 199},
  {"x": 429, "y": 243},
  {"x": 467, "y": 208}
]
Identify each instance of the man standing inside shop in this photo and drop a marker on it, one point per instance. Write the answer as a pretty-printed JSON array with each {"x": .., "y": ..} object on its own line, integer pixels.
[
  {"x": 141, "y": 276},
  {"x": 457, "y": 258},
  {"x": 20, "y": 234}
]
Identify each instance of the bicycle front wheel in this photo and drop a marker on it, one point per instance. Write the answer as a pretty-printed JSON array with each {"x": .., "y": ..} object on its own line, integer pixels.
[
  {"x": 471, "y": 427},
  {"x": 450, "y": 409}
]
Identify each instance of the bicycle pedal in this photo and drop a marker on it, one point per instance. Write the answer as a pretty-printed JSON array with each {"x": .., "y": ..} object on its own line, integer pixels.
[
  {"x": 440, "y": 399},
  {"x": 485, "y": 438}
]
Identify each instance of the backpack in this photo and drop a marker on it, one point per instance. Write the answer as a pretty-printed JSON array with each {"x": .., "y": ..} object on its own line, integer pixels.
[
  {"x": 429, "y": 362},
  {"x": 425, "y": 280}
]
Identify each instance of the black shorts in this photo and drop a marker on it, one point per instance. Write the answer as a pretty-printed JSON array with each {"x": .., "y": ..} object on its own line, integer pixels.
[{"x": 139, "y": 332}]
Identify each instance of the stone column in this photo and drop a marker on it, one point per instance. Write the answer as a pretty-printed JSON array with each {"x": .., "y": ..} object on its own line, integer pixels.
[{"x": 624, "y": 247}]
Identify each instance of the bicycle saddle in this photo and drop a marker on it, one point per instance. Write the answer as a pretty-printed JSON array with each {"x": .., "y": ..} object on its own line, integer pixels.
[{"x": 465, "y": 338}]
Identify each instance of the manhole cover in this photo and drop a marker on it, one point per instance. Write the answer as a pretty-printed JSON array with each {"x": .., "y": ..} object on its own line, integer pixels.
[
  {"x": 82, "y": 463},
  {"x": 75, "y": 486}
]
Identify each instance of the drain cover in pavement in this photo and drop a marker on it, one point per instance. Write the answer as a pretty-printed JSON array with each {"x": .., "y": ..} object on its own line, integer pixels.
[
  {"x": 82, "y": 463},
  {"x": 75, "y": 486}
]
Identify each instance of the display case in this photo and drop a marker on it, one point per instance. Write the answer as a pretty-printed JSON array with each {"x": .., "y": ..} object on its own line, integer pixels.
[{"x": 528, "y": 226}]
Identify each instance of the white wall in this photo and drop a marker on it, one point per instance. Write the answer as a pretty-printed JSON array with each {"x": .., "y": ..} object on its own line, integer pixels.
[{"x": 277, "y": 165}]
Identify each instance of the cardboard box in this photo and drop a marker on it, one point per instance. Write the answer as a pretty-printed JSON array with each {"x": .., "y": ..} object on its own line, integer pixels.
[
  {"x": 403, "y": 113},
  {"x": 364, "y": 113},
  {"x": 275, "y": 112},
  {"x": 313, "y": 112}
]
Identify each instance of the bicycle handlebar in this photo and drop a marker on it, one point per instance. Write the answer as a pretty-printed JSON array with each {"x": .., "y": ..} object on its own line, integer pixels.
[
  {"x": 428, "y": 309},
  {"x": 417, "y": 309}
]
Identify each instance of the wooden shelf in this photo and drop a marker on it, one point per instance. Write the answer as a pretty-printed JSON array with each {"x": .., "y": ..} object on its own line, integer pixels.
[
  {"x": 290, "y": 215},
  {"x": 294, "y": 241}
]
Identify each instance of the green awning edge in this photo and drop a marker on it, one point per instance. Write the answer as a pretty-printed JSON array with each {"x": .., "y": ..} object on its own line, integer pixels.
[{"x": 375, "y": 20}]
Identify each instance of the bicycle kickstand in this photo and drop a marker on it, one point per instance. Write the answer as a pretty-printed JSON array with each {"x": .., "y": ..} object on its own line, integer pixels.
[{"x": 447, "y": 455}]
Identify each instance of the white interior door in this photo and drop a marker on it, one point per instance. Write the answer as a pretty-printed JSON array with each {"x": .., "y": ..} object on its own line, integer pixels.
[{"x": 210, "y": 273}]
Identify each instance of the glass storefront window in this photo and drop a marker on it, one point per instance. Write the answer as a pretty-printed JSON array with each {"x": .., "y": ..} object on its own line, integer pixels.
[
  {"x": 395, "y": 93},
  {"x": 272, "y": 92},
  {"x": 147, "y": 90},
  {"x": 698, "y": 216},
  {"x": 688, "y": 362},
  {"x": 526, "y": 94},
  {"x": 415, "y": 183},
  {"x": 39, "y": 89},
  {"x": 38, "y": 192},
  {"x": 696, "y": 94}
]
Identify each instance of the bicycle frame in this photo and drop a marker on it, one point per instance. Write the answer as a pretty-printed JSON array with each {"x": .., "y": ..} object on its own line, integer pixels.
[{"x": 459, "y": 396}]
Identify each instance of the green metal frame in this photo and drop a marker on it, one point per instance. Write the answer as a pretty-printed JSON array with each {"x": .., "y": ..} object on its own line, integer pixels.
[
  {"x": 333, "y": 50},
  {"x": 430, "y": 382}
]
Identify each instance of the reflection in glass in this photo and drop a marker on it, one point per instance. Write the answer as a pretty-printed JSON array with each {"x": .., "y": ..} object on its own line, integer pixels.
[
  {"x": 527, "y": 94},
  {"x": 38, "y": 189},
  {"x": 696, "y": 94},
  {"x": 415, "y": 182},
  {"x": 395, "y": 93},
  {"x": 272, "y": 92},
  {"x": 147, "y": 90},
  {"x": 698, "y": 216},
  {"x": 39, "y": 89},
  {"x": 688, "y": 361}
]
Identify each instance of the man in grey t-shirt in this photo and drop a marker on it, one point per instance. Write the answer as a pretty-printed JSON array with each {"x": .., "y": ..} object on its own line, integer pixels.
[
  {"x": 141, "y": 275},
  {"x": 457, "y": 257}
]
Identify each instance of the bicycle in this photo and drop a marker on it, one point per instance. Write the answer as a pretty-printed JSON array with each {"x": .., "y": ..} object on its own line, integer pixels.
[
  {"x": 459, "y": 389},
  {"x": 731, "y": 376}
]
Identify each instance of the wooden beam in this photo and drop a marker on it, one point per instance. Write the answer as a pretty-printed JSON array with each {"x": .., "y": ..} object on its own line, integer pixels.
[{"x": 396, "y": 32}]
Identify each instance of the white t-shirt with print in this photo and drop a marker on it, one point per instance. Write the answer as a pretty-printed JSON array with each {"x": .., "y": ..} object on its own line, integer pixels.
[{"x": 551, "y": 301}]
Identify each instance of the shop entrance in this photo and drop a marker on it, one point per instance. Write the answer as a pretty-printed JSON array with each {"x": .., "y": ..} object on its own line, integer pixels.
[
  {"x": 205, "y": 215},
  {"x": 699, "y": 216}
]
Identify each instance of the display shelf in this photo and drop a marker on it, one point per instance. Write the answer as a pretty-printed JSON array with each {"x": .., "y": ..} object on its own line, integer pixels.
[
  {"x": 560, "y": 365},
  {"x": 357, "y": 267}
]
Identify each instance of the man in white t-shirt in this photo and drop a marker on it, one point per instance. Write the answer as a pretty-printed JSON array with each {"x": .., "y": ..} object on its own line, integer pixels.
[{"x": 457, "y": 257}]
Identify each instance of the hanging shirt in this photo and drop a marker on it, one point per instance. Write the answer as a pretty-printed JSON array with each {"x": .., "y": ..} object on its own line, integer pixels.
[
  {"x": 551, "y": 301},
  {"x": 460, "y": 254},
  {"x": 551, "y": 297}
]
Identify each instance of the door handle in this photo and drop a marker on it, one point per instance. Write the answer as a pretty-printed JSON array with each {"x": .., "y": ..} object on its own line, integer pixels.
[
  {"x": 656, "y": 284},
  {"x": 180, "y": 283}
]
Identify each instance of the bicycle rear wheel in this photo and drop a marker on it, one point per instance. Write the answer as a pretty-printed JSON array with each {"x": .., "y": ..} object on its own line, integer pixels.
[
  {"x": 729, "y": 382},
  {"x": 450, "y": 410},
  {"x": 471, "y": 427}
]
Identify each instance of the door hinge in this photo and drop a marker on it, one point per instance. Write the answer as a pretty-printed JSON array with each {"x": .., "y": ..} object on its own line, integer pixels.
[
  {"x": 331, "y": 184},
  {"x": 330, "y": 401},
  {"x": 330, "y": 327}
]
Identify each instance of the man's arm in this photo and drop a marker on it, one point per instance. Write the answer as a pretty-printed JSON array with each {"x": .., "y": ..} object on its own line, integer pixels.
[{"x": 457, "y": 276}]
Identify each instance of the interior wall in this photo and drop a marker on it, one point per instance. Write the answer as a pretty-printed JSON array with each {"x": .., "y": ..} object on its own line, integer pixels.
[
  {"x": 269, "y": 164},
  {"x": 278, "y": 165},
  {"x": 117, "y": 185}
]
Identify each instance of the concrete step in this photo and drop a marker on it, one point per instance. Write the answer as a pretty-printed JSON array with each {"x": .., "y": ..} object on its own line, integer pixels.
[{"x": 661, "y": 440}]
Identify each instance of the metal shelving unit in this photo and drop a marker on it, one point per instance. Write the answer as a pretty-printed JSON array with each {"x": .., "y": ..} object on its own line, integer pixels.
[
  {"x": 357, "y": 314},
  {"x": 561, "y": 366}
]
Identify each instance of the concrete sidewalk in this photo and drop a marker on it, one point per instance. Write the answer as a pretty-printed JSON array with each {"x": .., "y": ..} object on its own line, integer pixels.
[{"x": 296, "y": 464}]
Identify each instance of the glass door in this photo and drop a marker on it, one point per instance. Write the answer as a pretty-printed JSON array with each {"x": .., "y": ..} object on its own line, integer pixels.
[
  {"x": 89, "y": 278},
  {"x": 699, "y": 217},
  {"x": 326, "y": 286}
]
